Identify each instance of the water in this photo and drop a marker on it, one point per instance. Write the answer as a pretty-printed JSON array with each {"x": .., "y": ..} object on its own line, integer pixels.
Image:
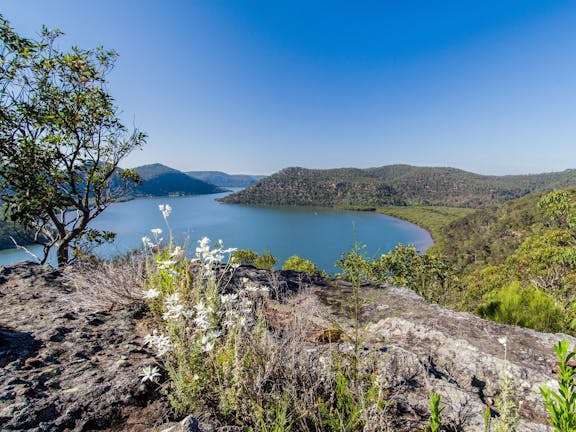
[{"x": 320, "y": 235}]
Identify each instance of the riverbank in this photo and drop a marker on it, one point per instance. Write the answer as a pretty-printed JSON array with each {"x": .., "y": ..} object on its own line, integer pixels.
[{"x": 430, "y": 218}]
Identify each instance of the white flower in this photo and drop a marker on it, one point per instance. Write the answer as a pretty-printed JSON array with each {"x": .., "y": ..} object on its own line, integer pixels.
[
  {"x": 207, "y": 340},
  {"x": 177, "y": 254},
  {"x": 202, "y": 309},
  {"x": 228, "y": 299},
  {"x": 156, "y": 231},
  {"x": 172, "y": 299},
  {"x": 165, "y": 265},
  {"x": 203, "y": 323},
  {"x": 214, "y": 334},
  {"x": 174, "y": 311},
  {"x": 151, "y": 293},
  {"x": 161, "y": 343},
  {"x": 165, "y": 209},
  {"x": 149, "y": 373},
  {"x": 147, "y": 242},
  {"x": 208, "y": 347},
  {"x": 503, "y": 340},
  {"x": 245, "y": 303}
]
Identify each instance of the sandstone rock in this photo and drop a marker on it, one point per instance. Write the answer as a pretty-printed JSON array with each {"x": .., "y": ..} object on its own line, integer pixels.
[
  {"x": 69, "y": 367},
  {"x": 64, "y": 367}
]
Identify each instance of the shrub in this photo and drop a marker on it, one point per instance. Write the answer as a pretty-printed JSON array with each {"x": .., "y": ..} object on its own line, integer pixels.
[
  {"x": 562, "y": 404},
  {"x": 266, "y": 261},
  {"x": 295, "y": 263},
  {"x": 244, "y": 257},
  {"x": 524, "y": 306}
]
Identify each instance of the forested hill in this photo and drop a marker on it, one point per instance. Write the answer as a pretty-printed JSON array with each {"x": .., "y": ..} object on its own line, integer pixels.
[
  {"x": 160, "y": 180},
  {"x": 394, "y": 185},
  {"x": 222, "y": 179}
]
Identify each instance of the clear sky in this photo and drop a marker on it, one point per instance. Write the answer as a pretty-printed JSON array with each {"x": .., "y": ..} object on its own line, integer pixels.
[{"x": 253, "y": 86}]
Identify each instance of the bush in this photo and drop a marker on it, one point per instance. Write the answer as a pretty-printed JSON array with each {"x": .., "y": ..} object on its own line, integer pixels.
[
  {"x": 244, "y": 257},
  {"x": 524, "y": 306},
  {"x": 298, "y": 264},
  {"x": 266, "y": 261}
]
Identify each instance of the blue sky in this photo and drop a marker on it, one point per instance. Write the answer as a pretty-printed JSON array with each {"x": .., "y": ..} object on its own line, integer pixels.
[{"x": 255, "y": 86}]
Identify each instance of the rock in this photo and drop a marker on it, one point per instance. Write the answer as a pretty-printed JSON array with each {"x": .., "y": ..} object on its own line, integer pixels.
[
  {"x": 189, "y": 424},
  {"x": 64, "y": 369},
  {"x": 65, "y": 366},
  {"x": 427, "y": 348}
]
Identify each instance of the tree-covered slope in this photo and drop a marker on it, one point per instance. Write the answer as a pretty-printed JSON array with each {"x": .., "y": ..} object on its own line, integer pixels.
[
  {"x": 7, "y": 230},
  {"x": 159, "y": 180},
  {"x": 222, "y": 179},
  {"x": 514, "y": 263},
  {"x": 394, "y": 185}
]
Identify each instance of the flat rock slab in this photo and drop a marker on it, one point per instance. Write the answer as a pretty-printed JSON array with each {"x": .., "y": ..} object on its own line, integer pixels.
[
  {"x": 67, "y": 368},
  {"x": 455, "y": 354}
]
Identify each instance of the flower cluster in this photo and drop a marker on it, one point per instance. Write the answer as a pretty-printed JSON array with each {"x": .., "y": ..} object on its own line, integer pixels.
[
  {"x": 211, "y": 255},
  {"x": 161, "y": 343},
  {"x": 175, "y": 310},
  {"x": 165, "y": 209},
  {"x": 147, "y": 241},
  {"x": 151, "y": 293}
]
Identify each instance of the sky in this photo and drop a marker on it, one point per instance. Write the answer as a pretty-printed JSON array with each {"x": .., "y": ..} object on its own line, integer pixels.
[{"x": 254, "y": 86}]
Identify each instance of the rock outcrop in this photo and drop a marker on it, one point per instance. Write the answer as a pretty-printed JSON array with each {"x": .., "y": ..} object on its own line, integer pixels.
[
  {"x": 65, "y": 366},
  {"x": 68, "y": 367}
]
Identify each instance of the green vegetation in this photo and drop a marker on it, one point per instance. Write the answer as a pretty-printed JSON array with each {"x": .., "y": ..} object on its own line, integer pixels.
[
  {"x": 428, "y": 275},
  {"x": 562, "y": 404},
  {"x": 514, "y": 263},
  {"x": 432, "y": 218},
  {"x": 522, "y": 305},
  {"x": 394, "y": 185},
  {"x": 61, "y": 140},
  {"x": 266, "y": 261},
  {"x": 223, "y": 358},
  {"x": 505, "y": 403},
  {"x": 435, "y": 413},
  {"x": 225, "y": 180},
  {"x": 296, "y": 263}
]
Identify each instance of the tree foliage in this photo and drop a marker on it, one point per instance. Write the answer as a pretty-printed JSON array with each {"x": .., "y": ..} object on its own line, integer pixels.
[{"x": 61, "y": 139}]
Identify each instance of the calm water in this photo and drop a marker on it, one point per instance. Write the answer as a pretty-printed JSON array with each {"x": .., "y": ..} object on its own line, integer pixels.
[{"x": 320, "y": 235}]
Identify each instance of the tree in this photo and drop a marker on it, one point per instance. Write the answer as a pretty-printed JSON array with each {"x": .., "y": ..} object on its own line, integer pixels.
[{"x": 61, "y": 139}]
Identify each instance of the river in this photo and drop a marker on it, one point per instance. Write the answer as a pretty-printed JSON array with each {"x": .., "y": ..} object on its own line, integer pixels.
[{"x": 320, "y": 235}]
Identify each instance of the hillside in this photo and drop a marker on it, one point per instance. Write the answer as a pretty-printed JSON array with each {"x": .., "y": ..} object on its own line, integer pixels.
[
  {"x": 513, "y": 263},
  {"x": 160, "y": 180},
  {"x": 394, "y": 185},
  {"x": 7, "y": 230},
  {"x": 222, "y": 179},
  {"x": 488, "y": 236}
]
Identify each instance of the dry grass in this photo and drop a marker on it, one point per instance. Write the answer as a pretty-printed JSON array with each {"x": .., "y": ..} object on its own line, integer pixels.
[{"x": 108, "y": 285}]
